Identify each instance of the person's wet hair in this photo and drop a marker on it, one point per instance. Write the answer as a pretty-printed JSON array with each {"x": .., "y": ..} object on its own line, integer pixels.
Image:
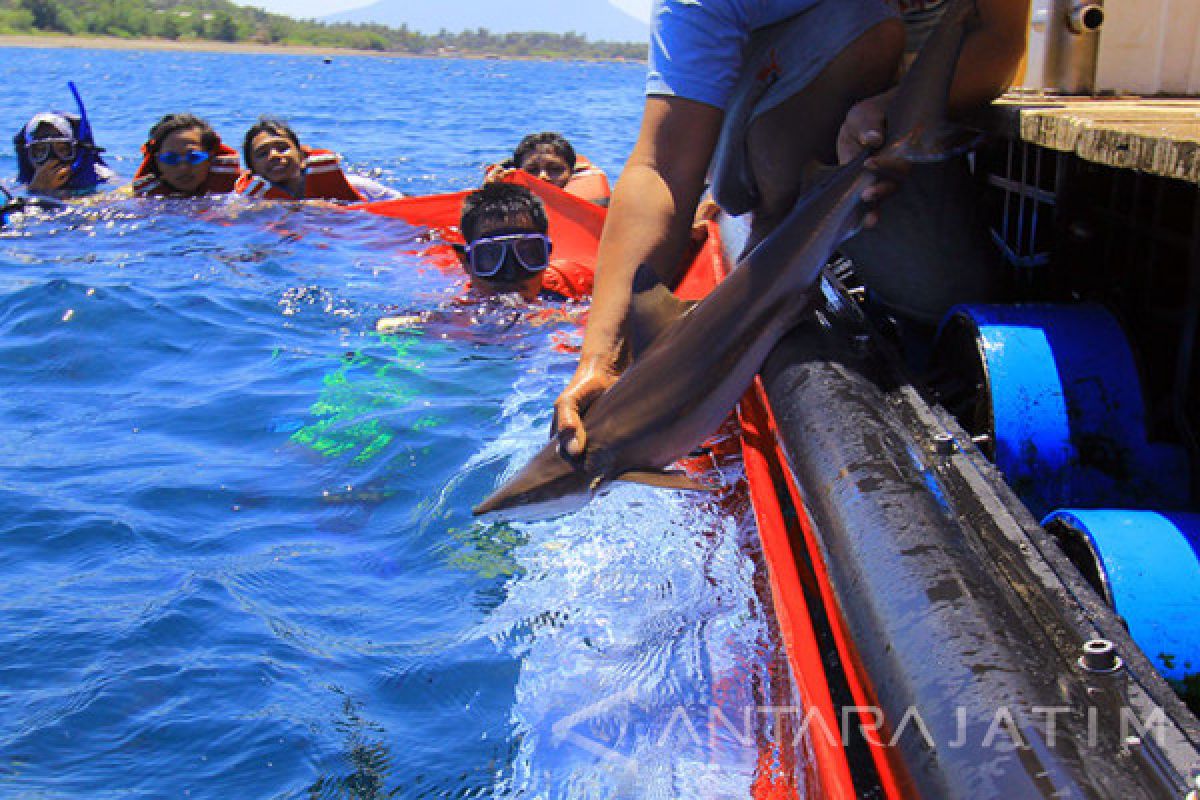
[
  {"x": 173, "y": 123},
  {"x": 533, "y": 141},
  {"x": 501, "y": 201},
  {"x": 270, "y": 125}
]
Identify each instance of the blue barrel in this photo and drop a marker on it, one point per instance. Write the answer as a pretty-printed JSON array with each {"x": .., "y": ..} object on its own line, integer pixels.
[
  {"x": 1067, "y": 418},
  {"x": 1148, "y": 565}
]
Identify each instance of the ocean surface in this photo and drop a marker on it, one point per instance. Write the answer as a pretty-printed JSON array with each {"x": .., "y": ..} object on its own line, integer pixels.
[{"x": 236, "y": 552}]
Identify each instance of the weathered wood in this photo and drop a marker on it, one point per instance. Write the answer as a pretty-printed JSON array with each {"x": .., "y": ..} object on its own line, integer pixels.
[{"x": 1160, "y": 136}]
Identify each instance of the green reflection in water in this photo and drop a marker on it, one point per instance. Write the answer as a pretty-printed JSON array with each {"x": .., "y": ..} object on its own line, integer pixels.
[
  {"x": 357, "y": 400},
  {"x": 487, "y": 550}
]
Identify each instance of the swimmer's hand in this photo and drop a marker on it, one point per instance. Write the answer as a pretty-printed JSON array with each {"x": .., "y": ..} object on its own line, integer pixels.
[
  {"x": 498, "y": 172},
  {"x": 863, "y": 129},
  {"x": 50, "y": 177},
  {"x": 398, "y": 323},
  {"x": 592, "y": 378}
]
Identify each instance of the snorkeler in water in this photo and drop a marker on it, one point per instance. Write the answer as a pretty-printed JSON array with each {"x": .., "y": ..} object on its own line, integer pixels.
[
  {"x": 507, "y": 254},
  {"x": 57, "y": 154},
  {"x": 507, "y": 250}
]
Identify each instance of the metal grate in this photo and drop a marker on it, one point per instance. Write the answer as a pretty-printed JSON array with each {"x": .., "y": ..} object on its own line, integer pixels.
[{"x": 1027, "y": 185}]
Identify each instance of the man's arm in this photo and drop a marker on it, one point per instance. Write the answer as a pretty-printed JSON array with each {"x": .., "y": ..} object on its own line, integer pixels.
[
  {"x": 990, "y": 54},
  {"x": 986, "y": 67},
  {"x": 649, "y": 221}
]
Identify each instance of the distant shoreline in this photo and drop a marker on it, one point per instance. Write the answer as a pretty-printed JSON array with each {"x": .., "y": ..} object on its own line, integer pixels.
[
  {"x": 188, "y": 45},
  {"x": 209, "y": 46}
]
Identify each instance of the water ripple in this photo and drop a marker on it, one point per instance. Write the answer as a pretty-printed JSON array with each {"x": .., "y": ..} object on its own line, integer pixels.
[{"x": 238, "y": 558}]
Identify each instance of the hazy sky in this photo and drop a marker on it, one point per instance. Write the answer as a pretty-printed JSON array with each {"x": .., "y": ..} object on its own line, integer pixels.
[
  {"x": 320, "y": 8},
  {"x": 639, "y": 8}
]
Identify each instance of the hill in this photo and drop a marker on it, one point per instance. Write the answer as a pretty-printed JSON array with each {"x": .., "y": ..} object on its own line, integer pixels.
[
  {"x": 220, "y": 20},
  {"x": 598, "y": 20}
]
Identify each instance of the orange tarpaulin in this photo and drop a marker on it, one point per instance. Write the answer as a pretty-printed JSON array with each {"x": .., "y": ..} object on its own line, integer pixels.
[{"x": 575, "y": 224}]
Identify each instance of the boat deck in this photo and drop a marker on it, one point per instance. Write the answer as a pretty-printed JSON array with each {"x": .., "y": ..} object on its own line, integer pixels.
[{"x": 1159, "y": 136}]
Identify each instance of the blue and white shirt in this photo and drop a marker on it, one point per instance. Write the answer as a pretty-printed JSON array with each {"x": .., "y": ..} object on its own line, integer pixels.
[{"x": 696, "y": 48}]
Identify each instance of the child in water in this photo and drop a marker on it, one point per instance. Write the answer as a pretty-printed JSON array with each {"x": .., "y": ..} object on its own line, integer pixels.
[
  {"x": 184, "y": 157},
  {"x": 280, "y": 168},
  {"x": 507, "y": 252},
  {"x": 507, "y": 249}
]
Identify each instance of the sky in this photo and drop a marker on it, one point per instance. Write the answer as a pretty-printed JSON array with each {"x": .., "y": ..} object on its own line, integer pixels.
[{"x": 321, "y": 8}]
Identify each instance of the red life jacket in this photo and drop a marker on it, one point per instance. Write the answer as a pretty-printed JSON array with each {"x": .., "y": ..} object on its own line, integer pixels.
[
  {"x": 568, "y": 278},
  {"x": 223, "y": 174},
  {"x": 589, "y": 182},
  {"x": 323, "y": 180}
]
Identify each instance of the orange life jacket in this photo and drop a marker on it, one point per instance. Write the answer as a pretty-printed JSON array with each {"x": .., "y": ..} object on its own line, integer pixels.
[
  {"x": 223, "y": 174},
  {"x": 589, "y": 182},
  {"x": 323, "y": 180}
]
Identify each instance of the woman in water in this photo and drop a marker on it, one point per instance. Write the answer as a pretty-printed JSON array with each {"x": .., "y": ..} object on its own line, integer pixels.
[
  {"x": 57, "y": 157},
  {"x": 551, "y": 158},
  {"x": 184, "y": 157}
]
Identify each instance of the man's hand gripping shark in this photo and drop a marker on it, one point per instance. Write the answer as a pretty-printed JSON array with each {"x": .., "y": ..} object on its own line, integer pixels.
[{"x": 702, "y": 359}]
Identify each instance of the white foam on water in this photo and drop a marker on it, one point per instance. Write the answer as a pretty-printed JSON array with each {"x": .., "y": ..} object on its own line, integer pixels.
[{"x": 640, "y": 636}]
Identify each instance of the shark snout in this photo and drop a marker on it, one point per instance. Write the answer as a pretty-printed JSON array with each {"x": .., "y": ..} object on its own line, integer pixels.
[{"x": 547, "y": 486}]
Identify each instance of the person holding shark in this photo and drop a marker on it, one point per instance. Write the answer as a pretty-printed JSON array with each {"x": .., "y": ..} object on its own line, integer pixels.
[{"x": 755, "y": 93}]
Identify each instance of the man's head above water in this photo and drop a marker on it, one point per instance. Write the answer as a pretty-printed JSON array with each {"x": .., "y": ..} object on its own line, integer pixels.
[{"x": 507, "y": 249}]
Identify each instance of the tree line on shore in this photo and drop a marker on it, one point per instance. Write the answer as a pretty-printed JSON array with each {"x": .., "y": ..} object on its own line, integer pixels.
[{"x": 222, "y": 21}]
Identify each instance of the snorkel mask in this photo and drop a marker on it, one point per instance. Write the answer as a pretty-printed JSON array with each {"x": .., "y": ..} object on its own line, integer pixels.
[
  {"x": 72, "y": 142},
  {"x": 508, "y": 257}
]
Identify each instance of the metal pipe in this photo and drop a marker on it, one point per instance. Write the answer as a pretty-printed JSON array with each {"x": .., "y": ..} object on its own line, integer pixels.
[{"x": 1085, "y": 18}]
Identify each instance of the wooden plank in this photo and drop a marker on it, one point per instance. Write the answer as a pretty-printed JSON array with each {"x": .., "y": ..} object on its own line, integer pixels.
[{"x": 1160, "y": 136}]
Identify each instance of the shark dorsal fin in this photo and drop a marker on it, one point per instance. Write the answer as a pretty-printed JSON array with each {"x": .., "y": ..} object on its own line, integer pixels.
[
  {"x": 817, "y": 173},
  {"x": 919, "y": 101},
  {"x": 652, "y": 309},
  {"x": 664, "y": 479}
]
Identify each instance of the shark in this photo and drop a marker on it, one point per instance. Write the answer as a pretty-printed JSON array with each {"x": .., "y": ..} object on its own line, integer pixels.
[{"x": 701, "y": 359}]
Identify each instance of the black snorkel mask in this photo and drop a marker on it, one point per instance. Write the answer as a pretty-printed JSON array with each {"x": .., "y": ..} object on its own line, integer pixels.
[
  {"x": 509, "y": 256},
  {"x": 84, "y": 154}
]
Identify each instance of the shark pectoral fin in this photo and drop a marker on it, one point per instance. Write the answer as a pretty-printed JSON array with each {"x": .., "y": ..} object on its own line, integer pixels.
[
  {"x": 652, "y": 309},
  {"x": 942, "y": 143},
  {"x": 665, "y": 479}
]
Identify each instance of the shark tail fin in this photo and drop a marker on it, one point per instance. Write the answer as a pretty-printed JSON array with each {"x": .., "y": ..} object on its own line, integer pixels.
[
  {"x": 665, "y": 479},
  {"x": 652, "y": 309}
]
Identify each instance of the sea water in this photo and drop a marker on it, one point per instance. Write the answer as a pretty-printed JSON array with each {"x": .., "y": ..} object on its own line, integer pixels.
[{"x": 236, "y": 551}]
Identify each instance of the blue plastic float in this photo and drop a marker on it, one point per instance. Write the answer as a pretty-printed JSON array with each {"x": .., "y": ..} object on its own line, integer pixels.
[
  {"x": 1067, "y": 416},
  {"x": 1148, "y": 565}
]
